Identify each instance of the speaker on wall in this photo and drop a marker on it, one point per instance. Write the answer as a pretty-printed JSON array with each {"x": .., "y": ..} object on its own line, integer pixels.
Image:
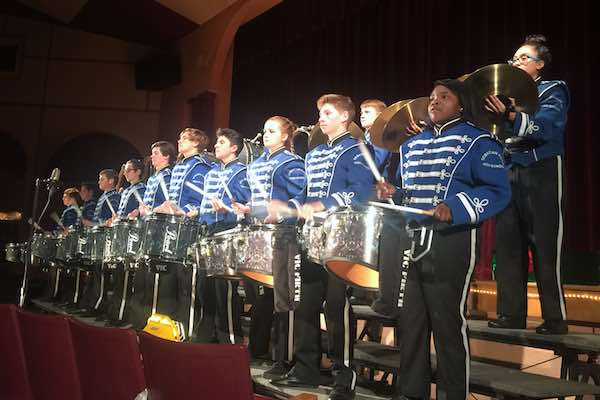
[{"x": 157, "y": 72}]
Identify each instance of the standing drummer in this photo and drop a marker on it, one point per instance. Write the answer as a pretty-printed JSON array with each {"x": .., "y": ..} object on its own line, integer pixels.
[
  {"x": 369, "y": 111},
  {"x": 337, "y": 175},
  {"x": 456, "y": 172},
  {"x": 223, "y": 185},
  {"x": 277, "y": 174},
  {"x": 191, "y": 168}
]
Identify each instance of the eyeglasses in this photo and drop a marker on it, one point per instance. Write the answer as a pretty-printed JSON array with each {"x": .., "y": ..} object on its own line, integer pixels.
[{"x": 522, "y": 59}]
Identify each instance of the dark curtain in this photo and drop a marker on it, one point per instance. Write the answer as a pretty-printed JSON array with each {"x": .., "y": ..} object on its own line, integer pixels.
[{"x": 394, "y": 49}]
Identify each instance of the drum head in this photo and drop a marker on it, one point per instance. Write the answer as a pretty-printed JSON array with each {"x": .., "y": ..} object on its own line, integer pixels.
[
  {"x": 354, "y": 274},
  {"x": 258, "y": 277},
  {"x": 250, "y": 152}
]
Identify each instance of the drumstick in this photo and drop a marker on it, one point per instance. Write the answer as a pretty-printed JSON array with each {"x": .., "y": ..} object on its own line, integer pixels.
[
  {"x": 137, "y": 196},
  {"x": 163, "y": 186},
  {"x": 224, "y": 182},
  {"x": 195, "y": 188},
  {"x": 411, "y": 210},
  {"x": 367, "y": 155},
  {"x": 77, "y": 210},
  {"x": 55, "y": 218},
  {"x": 35, "y": 225},
  {"x": 112, "y": 210}
]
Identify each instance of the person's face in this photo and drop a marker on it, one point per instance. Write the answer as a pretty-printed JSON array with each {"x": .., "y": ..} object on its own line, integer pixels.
[
  {"x": 67, "y": 200},
  {"x": 527, "y": 59},
  {"x": 368, "y": 115},
  {"x": 85, "y": 193},
  {"x": 131, "y": 174},
  {"x": 273, "y": 138},
  {"x": 104, "y": 183},
  {"x": 224, "y": 150},
  {"x": 185, "y": 145},
  {"x": 158, "y": 159},
  {"x": 331, "y": 121},
  {"x": 443, "y": 105}
]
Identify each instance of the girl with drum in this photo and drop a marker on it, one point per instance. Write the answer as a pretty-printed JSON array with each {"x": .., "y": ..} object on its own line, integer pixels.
[
  {"x": 276, "y": 175},
  {"x": 70, "y": 215}
]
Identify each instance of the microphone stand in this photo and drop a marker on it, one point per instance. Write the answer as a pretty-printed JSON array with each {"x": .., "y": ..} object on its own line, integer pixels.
[{"x": 27, "y": 261}]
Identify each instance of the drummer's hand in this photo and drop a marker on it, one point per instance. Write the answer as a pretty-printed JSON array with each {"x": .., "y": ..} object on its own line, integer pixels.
[
  {"x": 278, "y": 207},
  {"x": 239, "y": 208},
  {"x": 272, "y": 219},
  {"x": 144, "y": 209},
  {"x": 134, "y": 214},
  {"x": 385, "y": 190},
  {"x": 413, "y": 128},
  {"x": 86, "y": 222},
  {"x": 218, "y": 205},
  {"x": 192, "y": 214},
  {"x": 442, "y": 213},
  {"x": 307, "y": 211}
]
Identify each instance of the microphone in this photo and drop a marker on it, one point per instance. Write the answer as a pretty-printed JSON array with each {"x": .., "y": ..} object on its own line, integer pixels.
[{"x": 54, "y": 177}]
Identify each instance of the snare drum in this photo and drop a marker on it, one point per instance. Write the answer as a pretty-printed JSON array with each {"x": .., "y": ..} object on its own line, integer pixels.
[
  {"x": 97, "y": 243},
  {"x": 166, "y": 238},
  {"x": 66, "y": 249},
  {"x": 351, "y": 249},
  {"x": 43, "y": 248},
  {"x": 313, "y": 239},
  {"x": 123, "y": 241},
  {"x": 263, "y": 249},
  {"x": 219, "y": 253},
  {"x": 15, "y": 252}
]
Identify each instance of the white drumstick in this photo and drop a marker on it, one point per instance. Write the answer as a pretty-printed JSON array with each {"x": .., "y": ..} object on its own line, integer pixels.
[
  {"x": 163, "y": 186},
  {"x": 224, "y": 182},
  {"x": 411, "y": 210},
  {"x": 195, "y": 188},
  {"x": 35, "y": 225},
  {"x": 55, "y": 218},
  {"x": 367, "y": 155},
  {"x": 78, "y": 210},
  {"x": 112, "y": 210},
  {"x": 137, "y": 196}
]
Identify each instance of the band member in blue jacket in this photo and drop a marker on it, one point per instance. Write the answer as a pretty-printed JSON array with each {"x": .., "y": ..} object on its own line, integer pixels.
[
  {"x": 132, "y": 172},
  {"x": 70, "y": 215},
  {"x": 87, "y": 191},
  {"x": 162, "y": 156},
  {"x": 534, "y": 218},
  {"x": 369, "y": 111},
  {"x": 277, "y": 174},
  {"x": 456, "y": 171},
  {"x": 192, "y": 167},
  {"x": 337, "y": 175},
  {"x": 224, "y": 184}
]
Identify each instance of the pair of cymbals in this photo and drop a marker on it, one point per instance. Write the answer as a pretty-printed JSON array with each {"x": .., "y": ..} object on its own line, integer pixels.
[
  {"x": 508, "y": 83},
  {"x": 390, "y": 128},
  {"x": 317, "y": 137}
]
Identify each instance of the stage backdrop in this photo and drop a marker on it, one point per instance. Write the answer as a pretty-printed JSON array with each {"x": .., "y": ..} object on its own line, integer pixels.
[{"x": 392, "y": 50}]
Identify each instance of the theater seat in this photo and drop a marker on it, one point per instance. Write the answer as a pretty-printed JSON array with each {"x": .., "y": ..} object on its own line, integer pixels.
[
  {"x": 109, "y": 362},
  {"x": 196, "y": 371},
  {"x": 49, "y": 356},
  {"x": 14, "y": 383}
]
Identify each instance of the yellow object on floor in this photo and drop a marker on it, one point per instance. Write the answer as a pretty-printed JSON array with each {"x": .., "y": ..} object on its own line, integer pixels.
[{"x": 165, "y": 327}]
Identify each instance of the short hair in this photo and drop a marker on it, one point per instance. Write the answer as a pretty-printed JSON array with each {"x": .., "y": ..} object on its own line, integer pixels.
[
  {"x": 539, "y": 43},
  {"x": 234, "y": 138},
  {"x": 137, "y": 164},
  {"x": 375, "y": 103},
  {"x": 287, "y": 126},
  {"x": 110, "y": 174},
  {"x": 73, "y": 193},
  {"x": 91, "y": 186},
  {"x": 197, "y": 136},
  {"x": 340, "y": 102},
  {"x": 166, "y": 149}
]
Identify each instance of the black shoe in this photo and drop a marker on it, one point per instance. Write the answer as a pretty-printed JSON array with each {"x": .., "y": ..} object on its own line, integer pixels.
[
  {"x": 292, "y": 380},
  {"x": 278, "y": 371},
  {"x": 341, "y": 393},
  {"x": 506, "y": 322},
  {"x": 553, "y": 327}
]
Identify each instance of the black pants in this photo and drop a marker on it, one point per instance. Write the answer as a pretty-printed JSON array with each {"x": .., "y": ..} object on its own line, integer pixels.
[
  {"x": 435, "y": 301},
  {"x": 262, "y": 317},
  {"x": 319, "y": 286},
  {"x": 533, "y": 219},
  {"x": 95, "y": 292}
]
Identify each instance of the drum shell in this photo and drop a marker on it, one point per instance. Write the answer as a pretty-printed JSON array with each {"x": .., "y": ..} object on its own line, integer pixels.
[
  {"x": 66, "y": 250},
  {"x": 261, "y": 247},
  {"x": 43, "y": 248},
  {"x": 313, "y": 240},
  {"x": 83, "y": 251},
  {"x": 166, "y": 238},
  {"x": 15, "y": 252},
  {"x": 97, "y": 239},
  {"x": 123, "y": 241},
  {"x": 351, "y": 248},
  {"x": 219, "y": 254},
  {"x": 250, "y": 152}
]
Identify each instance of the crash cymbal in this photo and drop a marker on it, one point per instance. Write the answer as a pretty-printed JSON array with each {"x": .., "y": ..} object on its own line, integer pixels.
[
  {"x": 10, "y": 216},
  {"x": 463, "y": 78},
  {"x": 389, "y": 129},
  {"x": 317, "y": 136},
  {"x": 506, "y": 82}
]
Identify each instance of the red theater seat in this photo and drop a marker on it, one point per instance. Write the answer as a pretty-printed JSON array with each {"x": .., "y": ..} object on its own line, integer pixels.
[
  {"x": 195, "y": 371},
  {"x": 14, "y": 383},
  {"x": 109, "y": 362},
  {"x": 49, "y": 355}
]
